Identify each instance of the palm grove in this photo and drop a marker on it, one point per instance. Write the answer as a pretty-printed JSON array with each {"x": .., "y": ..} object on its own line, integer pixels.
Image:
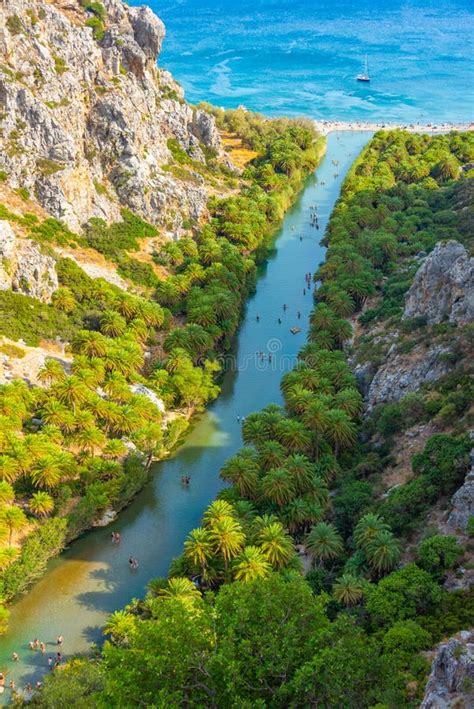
[
  {"x": 84, "y": 440},
  {"x": 255, "y": 631}
]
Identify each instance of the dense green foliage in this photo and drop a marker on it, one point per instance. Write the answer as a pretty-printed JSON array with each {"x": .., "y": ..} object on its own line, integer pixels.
[
  {"x": 248, "y": 630},
  {"x": 64, "y": 445}
]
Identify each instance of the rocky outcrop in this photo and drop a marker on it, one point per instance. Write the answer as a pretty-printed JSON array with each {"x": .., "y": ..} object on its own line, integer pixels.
[
  {"x": 402, "y": 374},
  {"x": 451, "y": 682},
  {"x": 24, "y": 268},
  {"x": 443, "y": 288},
  {"x": 463, "y": 502},
  {"x": 86, "y": 121}
]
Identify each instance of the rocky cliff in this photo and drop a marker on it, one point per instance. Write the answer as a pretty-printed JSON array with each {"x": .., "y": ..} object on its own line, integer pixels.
[
  {"x": 443, "y": 288},
  {"x": 23, "y": 267},
  {"x": 451, "y": 682},
  {"x": 87, "y": 117},
  {"x": 442, "y": 291}
]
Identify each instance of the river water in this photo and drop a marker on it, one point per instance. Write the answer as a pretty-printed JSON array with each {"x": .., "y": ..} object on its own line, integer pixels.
[{"x": 92, "y": 578}]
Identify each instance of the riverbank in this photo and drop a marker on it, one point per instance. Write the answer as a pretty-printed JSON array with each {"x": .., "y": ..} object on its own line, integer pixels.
[
  {"x": 327, "y": 127},
  {"x": 91, "y": 579}
]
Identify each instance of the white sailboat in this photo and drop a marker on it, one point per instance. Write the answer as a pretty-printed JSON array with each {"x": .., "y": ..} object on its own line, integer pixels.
[{"x": 365, "y": 76}]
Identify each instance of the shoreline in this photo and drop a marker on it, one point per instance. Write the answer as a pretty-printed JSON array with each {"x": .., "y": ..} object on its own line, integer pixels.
[{"x": 326, "y": 127}]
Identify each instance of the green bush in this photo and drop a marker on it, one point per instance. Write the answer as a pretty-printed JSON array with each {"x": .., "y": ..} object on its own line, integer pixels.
[
  {"x": 47, "y": 541},
  {"x": 438, "y": 554}
]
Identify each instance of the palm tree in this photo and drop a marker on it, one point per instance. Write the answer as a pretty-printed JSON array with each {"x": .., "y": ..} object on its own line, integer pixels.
[
  {"x": 349, "y": 400},
  {"x": 51, "y": 371},
  {"x": 7, "y": 493},
  {"x": 112, "y": 323},
  {"x": 324, "y": 542},
  {"x": 55, "y": 413},
  {"x": 83, "y": 419},
  {"x": 71, "y": 391},
  {"x": 251, "y": 564},
  {"x": 198, "y": 548},
  {"x": 367, "y": 528},
  {"x": 340, "y": 430},
  {"x": 89, "y": 439},
  {"x": 255, "y": 429},
  {"x": 120, "y": 625},
  {"x": 127, "y": 306},
  {"x": 46, "y": 472},
  {"x": 181, "y": 589},
  {"x": 7, "y": 556},
  {"x": 41, "y": 504},
  {"x": 294, "y": 436},
  {"x": 217, "y": 510},
  {"x": 301, "y": 470},
  {"x": 115, "y": 448},
  {"x": 242, "y": 472},
  {"x": 271, "y": 454},
  {"x": 63, "y": 299},
  {"x": 152, "y": 313},
  {"x": 298, "y": 399},
  {"x": 383, "y": 552},
  {"x": 116, "y": 387},
  {"x": 318, "y": 491},
  {"x": 316, "y": 418},
  {"x": 278, "y": 487},
  {"x": 348, "y": 590},
  {"x": 14, "y": 519},
  {"x": 227, "y": 538},
  {"x": 138, "y": 329},
  {"x": 276, "y": 545},
  {"x": 89, "y": 343}
]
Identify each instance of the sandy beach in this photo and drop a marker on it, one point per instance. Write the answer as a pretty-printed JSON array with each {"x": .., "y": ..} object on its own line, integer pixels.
[{"x": 326, "y": 127}]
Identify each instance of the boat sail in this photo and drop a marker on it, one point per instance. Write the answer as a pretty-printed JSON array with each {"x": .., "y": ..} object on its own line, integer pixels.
[{"x": 365, "y": 75}]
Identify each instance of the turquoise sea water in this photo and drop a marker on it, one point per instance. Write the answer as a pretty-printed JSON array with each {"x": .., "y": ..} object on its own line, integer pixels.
[{"x": 301, "y": 56}]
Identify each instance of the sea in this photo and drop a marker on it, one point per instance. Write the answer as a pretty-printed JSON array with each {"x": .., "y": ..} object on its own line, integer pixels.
[{"x": 300, "y": 57}]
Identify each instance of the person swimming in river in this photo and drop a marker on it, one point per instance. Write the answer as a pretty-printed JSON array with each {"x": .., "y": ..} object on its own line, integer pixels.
[
  {"x": 257, "y": 318},
  {"x": 185, "y": 479},
  {"x": 284, "y": 306},
  {"x": 133, "y": 563},
  {"x": 279, "y": 321}
]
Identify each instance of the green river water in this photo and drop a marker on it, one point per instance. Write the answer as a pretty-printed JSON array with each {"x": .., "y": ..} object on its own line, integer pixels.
[{"x": 92, "y": 578}]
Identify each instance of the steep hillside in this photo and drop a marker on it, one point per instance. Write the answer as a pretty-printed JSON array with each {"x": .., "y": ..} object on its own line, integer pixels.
[{"x": 89, "y": 123}]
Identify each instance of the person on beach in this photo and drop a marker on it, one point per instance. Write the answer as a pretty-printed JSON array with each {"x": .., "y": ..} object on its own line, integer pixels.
[
  {"x": 59, "y": 640},
  {"x": 59, "y": 657},
  {"x": 36, "y": 643},
  {"x": 31, "y": 644},
  {"x": 50, "y": 662},
  {"x": 12, "y": 684},
  {"x": 42, "y": 648},
  {"x": 15, "y": 657}
]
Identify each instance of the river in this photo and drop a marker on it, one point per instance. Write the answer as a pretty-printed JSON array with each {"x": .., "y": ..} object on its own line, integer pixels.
[{"x": 92, "y": 578}]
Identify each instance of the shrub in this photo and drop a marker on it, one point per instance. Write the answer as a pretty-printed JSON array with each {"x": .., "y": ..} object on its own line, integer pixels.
[{"x": 439, "y": 553}]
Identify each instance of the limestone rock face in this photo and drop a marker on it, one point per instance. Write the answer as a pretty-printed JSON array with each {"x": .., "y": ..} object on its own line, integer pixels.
[
  {"x": 463, "y": 501},
  {"x": 80, "y": 113},
  {"x": 402, "y": 374},
  {"x": 451, "y": 682},
  {"x": 443, "y": 288},
  {"x": 24, "y": 268}
]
